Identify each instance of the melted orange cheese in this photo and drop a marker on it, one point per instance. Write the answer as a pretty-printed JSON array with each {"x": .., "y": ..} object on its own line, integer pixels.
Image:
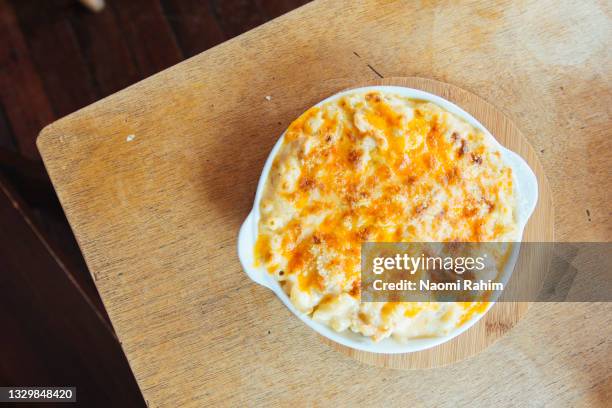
[{"x": 375, "y": 167}]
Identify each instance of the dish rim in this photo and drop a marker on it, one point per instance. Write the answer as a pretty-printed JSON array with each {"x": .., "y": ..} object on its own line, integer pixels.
[{"x": 527, "y": 197}]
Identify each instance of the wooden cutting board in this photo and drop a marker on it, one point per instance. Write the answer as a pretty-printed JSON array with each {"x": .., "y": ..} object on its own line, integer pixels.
[
  {"x": 540, "y": 228},
  {"x": 156, "y": 180}
]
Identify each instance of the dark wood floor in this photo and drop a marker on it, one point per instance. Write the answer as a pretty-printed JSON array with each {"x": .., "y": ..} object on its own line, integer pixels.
[{"x": 56, "y": 57}]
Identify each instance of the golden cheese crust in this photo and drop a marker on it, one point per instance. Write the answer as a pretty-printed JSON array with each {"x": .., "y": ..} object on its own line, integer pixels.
[{"x": 377, "y": 167}]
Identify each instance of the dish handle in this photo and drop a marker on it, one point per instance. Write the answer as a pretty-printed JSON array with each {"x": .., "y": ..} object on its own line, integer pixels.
[
  {"x": 246, "y": 245},
  {"x": 529, "y": 188}
]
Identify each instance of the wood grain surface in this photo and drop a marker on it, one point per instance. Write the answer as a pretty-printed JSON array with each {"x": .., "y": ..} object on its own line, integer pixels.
[
  {"x": 540, "y": 228},
  {"x": 157, "y": 216},
  {"x": 42, "y": 312}
]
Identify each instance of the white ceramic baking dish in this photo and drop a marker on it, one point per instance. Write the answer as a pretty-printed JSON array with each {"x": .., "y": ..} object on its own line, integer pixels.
[{"x": 527, "y": 195}]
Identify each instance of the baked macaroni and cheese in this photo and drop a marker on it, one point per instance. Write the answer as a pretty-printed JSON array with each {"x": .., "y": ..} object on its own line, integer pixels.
[{"x": 378, "y": 167}]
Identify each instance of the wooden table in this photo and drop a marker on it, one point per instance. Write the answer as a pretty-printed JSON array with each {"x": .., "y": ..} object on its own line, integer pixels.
[{"x": 155, "y": 181}]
